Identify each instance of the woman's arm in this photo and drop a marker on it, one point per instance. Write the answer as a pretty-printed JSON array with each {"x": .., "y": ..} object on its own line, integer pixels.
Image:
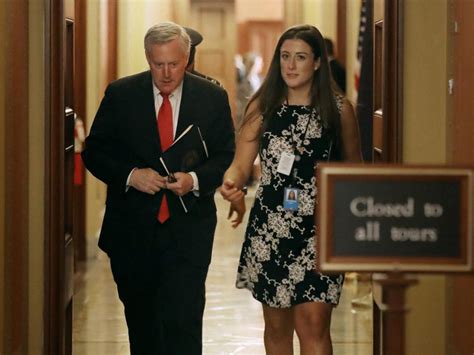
[
  {"x": 350, "y": 134},
  {"x": 237, "y": 174},
  {"x": 242, "y": 165}
]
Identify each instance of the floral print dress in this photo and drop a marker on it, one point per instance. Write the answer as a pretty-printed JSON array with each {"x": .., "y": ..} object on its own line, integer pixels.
[{"x": 278, "y": 255}]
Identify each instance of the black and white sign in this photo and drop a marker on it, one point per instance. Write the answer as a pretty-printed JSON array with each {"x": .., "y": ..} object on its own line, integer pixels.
[{"x": 394, "y": 218}]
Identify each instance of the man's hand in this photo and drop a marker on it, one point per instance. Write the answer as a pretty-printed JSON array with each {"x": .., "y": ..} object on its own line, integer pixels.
[
  {"x": 184, "y": 184},
  {"x": 238, "y": 207},
  {"x": 147, "y": 180}
]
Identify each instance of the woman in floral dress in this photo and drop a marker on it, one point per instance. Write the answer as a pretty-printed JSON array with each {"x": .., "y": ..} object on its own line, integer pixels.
[{"x": 295, "y": 120}]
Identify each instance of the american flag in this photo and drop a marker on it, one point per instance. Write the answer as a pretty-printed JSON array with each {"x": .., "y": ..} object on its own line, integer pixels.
[
  {"x": 364, "y": 78},
  {"x": 360, "y": 44}
]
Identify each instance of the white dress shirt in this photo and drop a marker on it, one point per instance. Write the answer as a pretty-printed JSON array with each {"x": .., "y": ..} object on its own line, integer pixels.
[{"x": 175, "y": 101}]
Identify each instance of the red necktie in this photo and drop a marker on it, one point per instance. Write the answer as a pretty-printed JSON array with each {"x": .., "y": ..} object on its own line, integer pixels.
[{"x": 165, "y": 130}]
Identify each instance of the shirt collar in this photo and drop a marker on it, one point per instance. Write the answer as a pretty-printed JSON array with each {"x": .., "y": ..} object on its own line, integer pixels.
[{"x": 175, "y": 93}]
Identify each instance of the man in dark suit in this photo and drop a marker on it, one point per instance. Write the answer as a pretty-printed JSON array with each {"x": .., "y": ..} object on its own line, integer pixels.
[
  {"x": 159, "y": 253},
  {"x": 337, "y": 69},
  {"x": 196, "y": 38}
]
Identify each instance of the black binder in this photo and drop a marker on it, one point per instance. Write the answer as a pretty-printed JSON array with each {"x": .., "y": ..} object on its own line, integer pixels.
[{"x": 186, "y": 153}]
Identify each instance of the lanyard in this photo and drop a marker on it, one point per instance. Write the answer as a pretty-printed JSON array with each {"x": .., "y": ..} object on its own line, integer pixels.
[{"x": 297, "y": 151}]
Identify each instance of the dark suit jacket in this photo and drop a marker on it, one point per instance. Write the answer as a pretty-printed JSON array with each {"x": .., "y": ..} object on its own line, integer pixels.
[
  {"x": 338, "y": 74},
  {"x": 124, "y": 136}
]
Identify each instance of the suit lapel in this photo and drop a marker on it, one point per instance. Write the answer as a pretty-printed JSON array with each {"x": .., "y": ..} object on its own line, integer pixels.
[
  {"x": 148, "y": 138},
  {"x": 186, "y": 109}
]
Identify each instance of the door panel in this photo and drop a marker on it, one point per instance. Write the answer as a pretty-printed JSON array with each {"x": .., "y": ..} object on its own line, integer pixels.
[
  {"x": 388, "y": 51},
  {"x": 260, "y": 37},
  {"x": 215, "y": 55}
]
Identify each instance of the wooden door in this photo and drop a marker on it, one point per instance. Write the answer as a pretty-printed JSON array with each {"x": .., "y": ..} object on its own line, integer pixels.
[
  {"x": 462, "y": 319},
  {"x": 59, "y": 141},
  {"x": 215, "y": 55}
]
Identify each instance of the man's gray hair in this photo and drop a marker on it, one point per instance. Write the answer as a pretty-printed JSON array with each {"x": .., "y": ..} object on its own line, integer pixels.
[{"x": 165, "y": 32}]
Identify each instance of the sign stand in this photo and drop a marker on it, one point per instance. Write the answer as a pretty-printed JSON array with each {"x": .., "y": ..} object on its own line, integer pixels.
[{"x": 393, "y": 309}]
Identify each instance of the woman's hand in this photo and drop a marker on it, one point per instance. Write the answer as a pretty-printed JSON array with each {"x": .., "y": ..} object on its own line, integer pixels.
[
  {"x": 231, "y": 192},
  {"x": 239, "y": 208}
]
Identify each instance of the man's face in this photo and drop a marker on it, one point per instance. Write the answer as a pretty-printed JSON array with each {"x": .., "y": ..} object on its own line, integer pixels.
[{"x": 167, "y": 64}]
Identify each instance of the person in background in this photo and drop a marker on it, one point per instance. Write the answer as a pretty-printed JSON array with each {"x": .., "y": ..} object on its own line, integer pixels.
[
  {"x": 196, "y": 38},
  {"x": 250, "y": 82},
  {"x": 239, "y": 68},
  {"x": 160, "y": 253},
  {"x": 295, "y": 120},
  {"x": 253, "y": 64},
  {"x": 337, "y": 69}
]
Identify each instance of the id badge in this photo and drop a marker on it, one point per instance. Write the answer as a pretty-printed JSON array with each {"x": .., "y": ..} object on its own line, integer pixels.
[
  {"x": 286, "y": 163},
  {"x": 290, "y": 199}
]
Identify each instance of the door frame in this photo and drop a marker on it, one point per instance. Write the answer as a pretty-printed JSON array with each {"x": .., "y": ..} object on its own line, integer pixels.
[
  {"x": 79, "y": 93},
  {"x": 54, "y": 327},
  {"x": 392, "y": 72}
]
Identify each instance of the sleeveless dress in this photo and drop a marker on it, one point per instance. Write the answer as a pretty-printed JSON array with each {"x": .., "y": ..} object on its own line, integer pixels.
[{"x": 278, "y": 254}]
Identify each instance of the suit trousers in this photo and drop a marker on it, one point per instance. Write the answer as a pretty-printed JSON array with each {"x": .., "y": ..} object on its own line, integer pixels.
[{"x": 164, "y": 313}]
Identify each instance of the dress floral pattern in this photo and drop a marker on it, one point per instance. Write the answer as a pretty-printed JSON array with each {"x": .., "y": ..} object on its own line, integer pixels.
[{"x": 278, "y": 255}]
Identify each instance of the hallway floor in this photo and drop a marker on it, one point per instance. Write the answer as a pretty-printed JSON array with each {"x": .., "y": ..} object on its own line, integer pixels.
[{"x": 232, "y": 321}]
